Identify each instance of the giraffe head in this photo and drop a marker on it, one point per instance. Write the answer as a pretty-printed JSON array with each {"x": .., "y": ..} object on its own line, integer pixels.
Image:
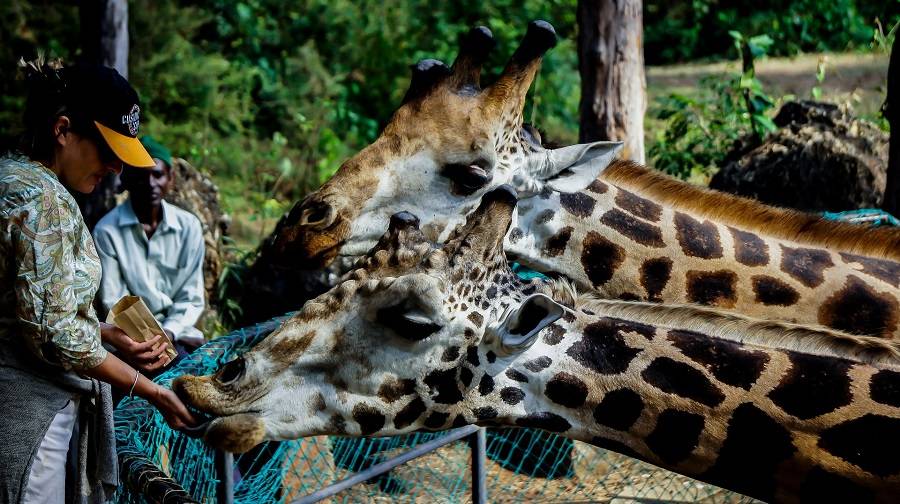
[
  {"x": 448, "y": 143},
  {"x": 393, "y": 348}
]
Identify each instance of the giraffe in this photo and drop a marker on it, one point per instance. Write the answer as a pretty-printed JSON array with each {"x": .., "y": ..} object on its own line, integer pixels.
[
  {"x": 635, "y": 233},
  {"x": 735, "y": 254},
  {"x": 448, "y": 143},
  {"x": 430, "y": 337}
]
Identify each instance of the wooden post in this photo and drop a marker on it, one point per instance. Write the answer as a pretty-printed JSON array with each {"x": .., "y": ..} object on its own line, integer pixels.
[
  {"x": 891, "y": 108},
  {"x": 611, "y": 63},
  {"x": 104, "y": 33},
  {"x": 104, "y": 40}
]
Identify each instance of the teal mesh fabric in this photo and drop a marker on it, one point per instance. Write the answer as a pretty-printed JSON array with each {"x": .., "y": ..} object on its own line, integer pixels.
[
  {"x": 869, "y": 216},
  {"x": 525, "y": 273},
  {"x": 522, "y": 465}
]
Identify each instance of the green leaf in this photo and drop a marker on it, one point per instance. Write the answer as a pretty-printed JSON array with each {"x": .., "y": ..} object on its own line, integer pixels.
[{"x": 765, "y": 122}]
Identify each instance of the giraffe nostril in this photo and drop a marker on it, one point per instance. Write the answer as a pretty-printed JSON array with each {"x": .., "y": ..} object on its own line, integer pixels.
[
  {"x": 231, "y": 371},
  {"x": 317, "y": 214}
]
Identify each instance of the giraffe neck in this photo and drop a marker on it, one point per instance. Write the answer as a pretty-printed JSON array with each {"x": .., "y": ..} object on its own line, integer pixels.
[
  {"x": 621, "y": 244},
  {"x": 709, "y": 396}
]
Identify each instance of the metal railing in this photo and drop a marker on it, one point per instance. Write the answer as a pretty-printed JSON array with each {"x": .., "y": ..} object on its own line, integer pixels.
[{"x": 474, "y": 435}]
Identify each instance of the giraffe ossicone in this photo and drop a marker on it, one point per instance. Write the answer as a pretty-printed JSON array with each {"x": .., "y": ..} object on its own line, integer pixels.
[{"x": 420, "y": 336}]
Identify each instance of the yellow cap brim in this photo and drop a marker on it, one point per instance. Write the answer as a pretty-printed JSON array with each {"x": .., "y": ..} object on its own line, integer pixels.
[{"x": 126, "y": 148}]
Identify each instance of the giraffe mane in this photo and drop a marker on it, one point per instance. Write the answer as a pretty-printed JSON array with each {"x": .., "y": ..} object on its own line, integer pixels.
[
  {"x": 752, "y": 215},
  {"x": 815, "y": 340}
]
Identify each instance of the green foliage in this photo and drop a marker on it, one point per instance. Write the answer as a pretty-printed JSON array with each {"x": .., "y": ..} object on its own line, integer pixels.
[
  {"x": 883, "y": 42},
  {"x": 699, "y": 132},
  {"x": 683, "y": 30},
  {"x": 270, "y": 97}
]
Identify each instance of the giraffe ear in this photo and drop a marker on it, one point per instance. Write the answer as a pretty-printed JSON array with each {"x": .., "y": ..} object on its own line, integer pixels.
[
  {"x": 519, "y": 327},
  {"x": 573, "y": 168}
]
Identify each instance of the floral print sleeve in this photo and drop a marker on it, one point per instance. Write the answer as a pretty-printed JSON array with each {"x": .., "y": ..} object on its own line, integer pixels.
[{"x": 57, "y": 270}]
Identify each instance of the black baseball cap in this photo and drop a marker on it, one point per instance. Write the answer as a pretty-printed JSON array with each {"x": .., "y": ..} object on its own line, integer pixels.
[{"x": 101, "y": 95}]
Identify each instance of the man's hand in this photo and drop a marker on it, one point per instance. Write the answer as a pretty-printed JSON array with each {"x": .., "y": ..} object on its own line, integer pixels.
[{"x": 147, "y": 356}]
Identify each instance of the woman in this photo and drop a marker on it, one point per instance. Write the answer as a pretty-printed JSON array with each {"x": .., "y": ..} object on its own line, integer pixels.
[{"x": 81, "y": 124}]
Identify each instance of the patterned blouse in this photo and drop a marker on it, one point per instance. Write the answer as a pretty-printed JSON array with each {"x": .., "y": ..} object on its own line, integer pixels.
[{"x": 49, "y": 269}]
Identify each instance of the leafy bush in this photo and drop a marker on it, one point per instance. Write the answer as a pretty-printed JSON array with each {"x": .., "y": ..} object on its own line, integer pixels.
[
  {"x": 270, "y": 96},
  {"x": 683, "y": 30},
  {"x": 699, "y": 132}
]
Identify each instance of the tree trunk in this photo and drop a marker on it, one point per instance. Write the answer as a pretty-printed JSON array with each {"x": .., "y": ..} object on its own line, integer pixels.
[
  {"x": 891, "y": 109},
  {"x": 611, "y": 63},
  {"x": 104, "y": 40}
]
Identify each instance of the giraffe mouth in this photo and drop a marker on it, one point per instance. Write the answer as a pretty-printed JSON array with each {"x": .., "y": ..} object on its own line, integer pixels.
[{"x": 198, "y": 431}]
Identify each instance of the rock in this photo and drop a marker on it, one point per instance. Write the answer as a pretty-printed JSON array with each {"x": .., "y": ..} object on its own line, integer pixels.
[
  {"x": 271, "y": 287},
  {"x": 822, "y": 159},
  {"x": 196, "y": 193}
]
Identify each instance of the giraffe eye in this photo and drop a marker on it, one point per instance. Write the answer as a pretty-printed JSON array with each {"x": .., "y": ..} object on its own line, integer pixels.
[
  {"x": 408, "y": 323},
  {"x": 531, "y": 134}
]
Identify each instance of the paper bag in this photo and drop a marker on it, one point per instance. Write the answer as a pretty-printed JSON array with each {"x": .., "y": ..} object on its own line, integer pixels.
[{"x": 132, "y": 316}]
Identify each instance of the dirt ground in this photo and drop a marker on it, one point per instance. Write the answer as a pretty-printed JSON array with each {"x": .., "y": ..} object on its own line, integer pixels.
[
  {"x": 600, "y": 476},
  {"x": 858, "y": 78}
]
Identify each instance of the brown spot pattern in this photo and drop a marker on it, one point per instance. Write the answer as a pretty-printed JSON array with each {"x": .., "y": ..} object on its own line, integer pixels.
[
  {"x": 749, "y": 249},
  {"x": 393, "y": 389},
  {"x": 544, "y": 217},
  {"x": 889, "y": 271},
  {"x": 655, "y": 274},
  {"x": 636, "y": 230},
  {"x": 712, "y": 288},
  {"x": 771, "y": 291},
  {"x": 638, "y": 206},
  {"x": 556, "y": 244},
  {"x": 578, "y": 204},
  {"x": 728, "y": 361},
  {"x": 597, "y": 187},
  {"x": 286, "y": 351},
  {"x": 600, "y": 258},
  {"x": 806, "y": 265},
  {"x": 813, "y": 386},
  {"x": 859, "y": 309},
  {"x": 697, "y": 239}
]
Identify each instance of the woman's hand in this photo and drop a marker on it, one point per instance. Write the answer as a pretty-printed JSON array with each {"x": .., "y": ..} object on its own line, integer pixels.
[
  {"x": 118, "y": 374},
  {"x": 173, "y": 410},
  {"x": 147, "y": 356}
]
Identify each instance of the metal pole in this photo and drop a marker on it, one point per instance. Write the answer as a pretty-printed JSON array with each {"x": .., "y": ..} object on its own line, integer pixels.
[
  {"x": 387, "y": 465},
  {"x": 478, "y": 444},
  {"x": 225, "y": 471}
]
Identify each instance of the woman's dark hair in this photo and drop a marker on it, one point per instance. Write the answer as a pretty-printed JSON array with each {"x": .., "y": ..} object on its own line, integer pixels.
[{"x": 46, "y": 102}]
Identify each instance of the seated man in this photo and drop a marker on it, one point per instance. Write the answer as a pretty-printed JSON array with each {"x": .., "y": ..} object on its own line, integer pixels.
[{"x": 155, "y": 250}]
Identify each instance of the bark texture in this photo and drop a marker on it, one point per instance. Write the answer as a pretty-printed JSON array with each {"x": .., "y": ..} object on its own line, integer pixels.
[
  {"x": 611, "y": 63},
  {"x": 104, "y": 40}
]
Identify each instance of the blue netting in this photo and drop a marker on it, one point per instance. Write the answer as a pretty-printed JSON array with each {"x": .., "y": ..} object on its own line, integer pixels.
[{"x": 869, "y": 216}]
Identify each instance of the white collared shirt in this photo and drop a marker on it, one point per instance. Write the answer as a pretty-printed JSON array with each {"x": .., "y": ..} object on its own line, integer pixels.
[{"x": 166, "y": 270}]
